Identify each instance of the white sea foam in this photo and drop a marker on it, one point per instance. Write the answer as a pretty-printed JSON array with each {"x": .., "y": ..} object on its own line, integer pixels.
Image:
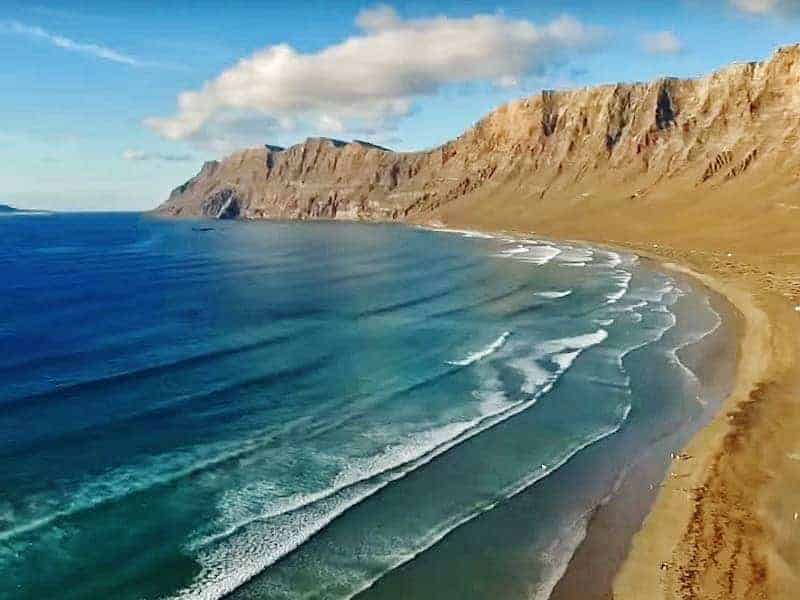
[
  {"x": 234, "y": 556},
  {"x": 564, "y": 360},
  {"x": 509, "y": 492},
  {"x": 578, "y": 342},
  {"x": 623, "y": 280},
  {"x": 577, "y": 256},
  {"x": 127, "y": 480},
  {"x": 534, "y": 374},
  {"x": 469, "y": 233},
  {"x": 554, "y": 295},
  {"x": 614, "y": 259},
  {"x": 694, "y": 339},
  {"x": 488, "y": 350},
  {"x": 536, "y": 254}
]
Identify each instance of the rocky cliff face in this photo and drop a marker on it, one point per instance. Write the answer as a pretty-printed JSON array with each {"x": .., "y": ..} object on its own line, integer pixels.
[{"x": 627, "y": 141}]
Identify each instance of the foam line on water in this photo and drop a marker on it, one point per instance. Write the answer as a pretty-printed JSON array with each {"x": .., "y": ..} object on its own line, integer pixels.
[
  {"x": 536, "y": 254},
  {"x": 674, "y": 353},
  {"x": 483, "y": 353},
  {"x": 168, "y": 367},
  {"x": 261, "y": 551},
  {"x": 168, "y": 469},
  {"x": 510, "y": 492},
  {"x": 623, "y": 280},
  {"x": 554, "y": 294},
  {"x": 573, "y": 255}
]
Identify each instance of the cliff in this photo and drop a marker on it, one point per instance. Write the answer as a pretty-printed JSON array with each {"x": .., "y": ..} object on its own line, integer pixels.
[{"x": 619, "y": 145}]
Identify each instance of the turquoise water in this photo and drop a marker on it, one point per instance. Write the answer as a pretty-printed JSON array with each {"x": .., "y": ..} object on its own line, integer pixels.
[{"x": 295, "y": 410}]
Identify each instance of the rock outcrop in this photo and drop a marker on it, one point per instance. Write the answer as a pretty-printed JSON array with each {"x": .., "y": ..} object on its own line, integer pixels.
[{"x": 629, "y": 141}]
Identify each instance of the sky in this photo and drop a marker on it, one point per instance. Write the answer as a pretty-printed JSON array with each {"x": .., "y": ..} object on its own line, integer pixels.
[{"x": 109, "y": 105}]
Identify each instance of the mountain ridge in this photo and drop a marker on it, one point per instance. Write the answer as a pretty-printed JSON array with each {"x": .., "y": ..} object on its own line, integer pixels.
[{"x": 621, "y": 142}]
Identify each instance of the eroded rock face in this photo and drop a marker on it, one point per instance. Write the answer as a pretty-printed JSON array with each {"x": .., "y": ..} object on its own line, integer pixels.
[
  {"x": 629, "y": 137},
  {"x": 223, "y": 204}
]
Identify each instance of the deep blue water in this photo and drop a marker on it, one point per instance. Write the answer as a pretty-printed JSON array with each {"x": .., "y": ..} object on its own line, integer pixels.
[{"x": 287, "y": 410}]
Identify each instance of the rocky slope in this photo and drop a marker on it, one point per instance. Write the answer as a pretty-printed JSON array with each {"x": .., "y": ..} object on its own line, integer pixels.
[{"x": 611, "y": 144}]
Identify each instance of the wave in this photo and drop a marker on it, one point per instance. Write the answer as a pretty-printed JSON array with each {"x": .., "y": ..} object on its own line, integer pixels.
[
  {"x": 468, "y": 233},
  {"x": 505, "y": 495},
  {"x": 554, "y": 295},
  {"x": 161, "y": 470},
  {"x": 158, "y": 369},
  {"x": 270, "y": 542},
  {"x": 576, "y": 342},
  {"x": 623, "y": 278},
  {"x": 576, "y": 256},
  {"x": 473, "y": 234},
  {"x": 561, "y": 352},
  {"x": 536, "y": 254},
  {"x": 382, "y": 310},
  {"x": 614, "y": 259},
  {"x": 123, "y": 483},
  {"x": 480, "y": 354},
  {"x": 674, "y": 353},
  {"x": 485, "y": 302}
]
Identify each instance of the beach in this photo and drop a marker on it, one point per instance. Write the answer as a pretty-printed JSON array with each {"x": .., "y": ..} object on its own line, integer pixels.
[
  {"x": 596, "y": 562},
  {"x": 723, "y": 526}
]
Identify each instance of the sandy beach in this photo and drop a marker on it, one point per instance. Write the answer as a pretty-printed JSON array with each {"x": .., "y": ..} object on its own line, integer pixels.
[
  {"x": 596, "y": 562},
  {"x": 721, "y": 526}
]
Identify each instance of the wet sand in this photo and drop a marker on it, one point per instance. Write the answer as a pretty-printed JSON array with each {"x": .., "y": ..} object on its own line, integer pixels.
[{"x": 592, "y": 569}]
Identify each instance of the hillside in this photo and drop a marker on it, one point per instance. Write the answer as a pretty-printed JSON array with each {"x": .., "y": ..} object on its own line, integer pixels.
[{"x": 614, "y": 146}]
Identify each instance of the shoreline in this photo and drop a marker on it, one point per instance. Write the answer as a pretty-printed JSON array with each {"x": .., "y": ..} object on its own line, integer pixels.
[
  {"x": 634, "y": 527},
  {"x": 613, "y": 524},
  {"x": 664, "y": 561},
  {"x": 725, "y": 526}
]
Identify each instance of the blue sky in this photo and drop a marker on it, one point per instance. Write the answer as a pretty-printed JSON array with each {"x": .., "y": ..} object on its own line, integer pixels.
[{"x": 90, "y": 90}]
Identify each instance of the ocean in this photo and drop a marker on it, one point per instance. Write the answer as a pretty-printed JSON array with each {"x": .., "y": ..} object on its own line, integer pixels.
[{"x": 194, "y": 409}]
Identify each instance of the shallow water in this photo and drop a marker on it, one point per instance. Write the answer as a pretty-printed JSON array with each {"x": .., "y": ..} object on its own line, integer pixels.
[{"x": 295, "y": 410}]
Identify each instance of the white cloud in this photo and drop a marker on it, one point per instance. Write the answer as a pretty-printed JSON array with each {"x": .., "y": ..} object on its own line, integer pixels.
[
  {"x": 662, "y": 42},
  {"x": 369, "y": 81},
  {"x": 755, "y": 7},
  {"x": 65, "y": 43},
  {"x": 141, "y": 156},
  {"x": 377, "y": 18},
  {"x": 767, "y": 7}
]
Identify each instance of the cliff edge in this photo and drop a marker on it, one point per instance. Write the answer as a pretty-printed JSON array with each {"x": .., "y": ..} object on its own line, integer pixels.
[{"x": 629, "y": 141}]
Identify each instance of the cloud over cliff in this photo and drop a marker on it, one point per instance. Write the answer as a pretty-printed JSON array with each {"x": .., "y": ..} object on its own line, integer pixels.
[
  {"x": 662, "y": 42},
  {"x": 370, "y": 80}
]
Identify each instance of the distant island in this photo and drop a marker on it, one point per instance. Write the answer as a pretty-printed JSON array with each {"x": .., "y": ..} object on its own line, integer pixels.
[{"x": 5, "y": 208}]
